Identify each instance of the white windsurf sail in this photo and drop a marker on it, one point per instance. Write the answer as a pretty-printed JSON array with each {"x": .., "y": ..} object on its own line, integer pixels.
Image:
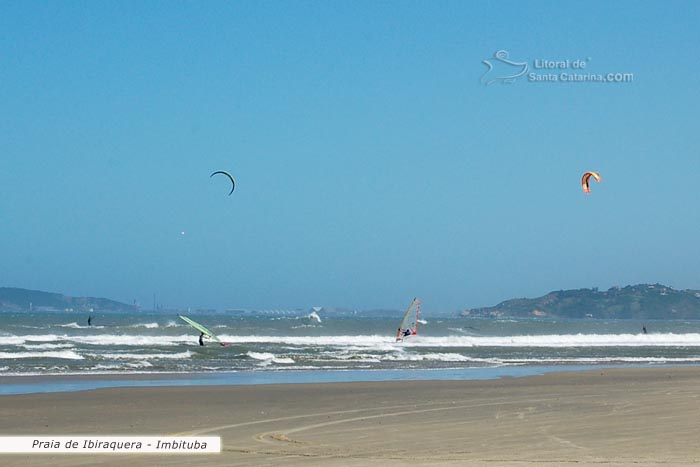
[{"x": 409, "y": 323}]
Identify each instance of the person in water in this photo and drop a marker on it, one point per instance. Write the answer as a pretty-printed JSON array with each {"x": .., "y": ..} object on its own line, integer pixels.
[
  {"x": 644, "y": 329},
  {"x": 90, "y": 320},
  {"x": 201, "y": 339}
]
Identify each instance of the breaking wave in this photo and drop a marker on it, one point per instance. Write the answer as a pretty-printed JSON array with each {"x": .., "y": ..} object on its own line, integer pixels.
[
  {"x": 554, "y": 341},
  {"x": 66, "y": 354},
  {"x": 268, "y": 357},
  {"x": 145, "y": 325},
  {"x": 379, "y": 342},
  {"x": 137, "y": 356}
]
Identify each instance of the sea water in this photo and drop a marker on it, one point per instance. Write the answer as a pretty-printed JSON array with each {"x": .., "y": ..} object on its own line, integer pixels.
[{"x": 58, "y": 343}]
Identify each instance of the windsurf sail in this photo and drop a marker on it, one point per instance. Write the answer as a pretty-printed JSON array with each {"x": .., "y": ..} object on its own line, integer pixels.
[
  {"x": 409, "y": 323},
  {"x": 200, "y": 328}
]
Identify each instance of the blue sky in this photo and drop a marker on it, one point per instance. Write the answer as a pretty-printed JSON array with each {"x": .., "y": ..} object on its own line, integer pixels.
[{"x": 372, "y": 164}]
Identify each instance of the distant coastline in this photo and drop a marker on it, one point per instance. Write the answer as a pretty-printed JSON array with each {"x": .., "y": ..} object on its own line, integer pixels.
[
  {"x": 17, "y": 299},
  {"x": 639, "y": 302}
]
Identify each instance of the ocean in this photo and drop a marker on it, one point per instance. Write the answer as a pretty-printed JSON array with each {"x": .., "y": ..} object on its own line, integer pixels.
[{"x": 62, "y": 343}]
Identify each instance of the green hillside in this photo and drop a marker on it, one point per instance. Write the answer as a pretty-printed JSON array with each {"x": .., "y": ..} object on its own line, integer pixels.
[
  {"x": 643, "y": 301},
  {"x": 14, "y": 299}
]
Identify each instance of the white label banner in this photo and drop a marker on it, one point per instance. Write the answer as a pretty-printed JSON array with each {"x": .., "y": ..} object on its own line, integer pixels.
[{"x": 111, "y": 444}]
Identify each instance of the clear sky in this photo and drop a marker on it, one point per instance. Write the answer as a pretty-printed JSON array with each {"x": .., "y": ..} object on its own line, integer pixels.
[{"x": 373, "y": 164}]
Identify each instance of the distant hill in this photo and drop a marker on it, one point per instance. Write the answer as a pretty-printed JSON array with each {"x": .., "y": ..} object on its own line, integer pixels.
[
  {"x": 14, "y": 299},
  {"x": 643, "y": 301}
]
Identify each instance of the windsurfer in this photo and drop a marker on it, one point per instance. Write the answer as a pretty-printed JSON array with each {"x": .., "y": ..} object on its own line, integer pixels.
[
  {"x": 90, "y": 320},
  {"x": 201, "y": 339},
  {"x": 409, "y": 323}
]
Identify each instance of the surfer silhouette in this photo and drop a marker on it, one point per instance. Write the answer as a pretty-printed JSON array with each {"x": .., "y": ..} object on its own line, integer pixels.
[
  {"x": 201, "y": 339},
  {"x": 90, "y": 320},
  {"x": 644, "y": 329}
]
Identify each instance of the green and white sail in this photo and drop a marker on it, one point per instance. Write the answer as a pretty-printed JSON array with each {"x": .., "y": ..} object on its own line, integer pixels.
[{"x": 200, "y": 328}]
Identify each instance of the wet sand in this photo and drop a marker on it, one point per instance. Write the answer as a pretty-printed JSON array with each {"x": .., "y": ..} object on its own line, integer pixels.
[{"x": 620, "y": 417}]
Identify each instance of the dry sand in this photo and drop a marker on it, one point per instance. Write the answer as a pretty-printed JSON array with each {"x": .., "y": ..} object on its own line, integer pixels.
[{"x": 621, "y": 417}]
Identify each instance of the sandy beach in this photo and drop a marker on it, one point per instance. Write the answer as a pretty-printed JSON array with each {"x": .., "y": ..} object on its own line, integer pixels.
[{"x": 617, "y": 417}]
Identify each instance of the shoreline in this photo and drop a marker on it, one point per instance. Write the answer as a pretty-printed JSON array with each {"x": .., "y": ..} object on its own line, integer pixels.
[
  {"x": 616, "y": 416},
  {"x": 30, "y": 384}
]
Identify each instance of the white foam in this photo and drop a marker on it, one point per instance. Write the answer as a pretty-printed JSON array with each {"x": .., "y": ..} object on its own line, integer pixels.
[
  {"x": 46, "y": 346},
  {"x": 136, "y": 356},
  {"x": 122, "y": 366},
  {"x": 441, "y": 357},
  {"x": 132, "y": 340},
  {"x": 354, "y": 357},
  {"x": 554, "y": 341},
  {"x": 139, "y": 364},
  {"x": 584, "y": 340},
  {"x": 104, "y": 339},
  {"x": 284, "y": 360},
  {"x": 145, "y": 325},
  {"x": 66, "y": 354},
  {"x": 107, "y": 367},
  {"x": 11, "y": 340},
  {"x": 460, "y": 330},
  {"x": 380, "y": 347},
  {"x": 268, "y": 358},
  {"x": 75, "y": 325},
  {"x": 597, "y": 360},
  {"x": 261, "y": 355},
  {"x": 363, "y": 343},
  {"x": 19, "y": 340}
]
